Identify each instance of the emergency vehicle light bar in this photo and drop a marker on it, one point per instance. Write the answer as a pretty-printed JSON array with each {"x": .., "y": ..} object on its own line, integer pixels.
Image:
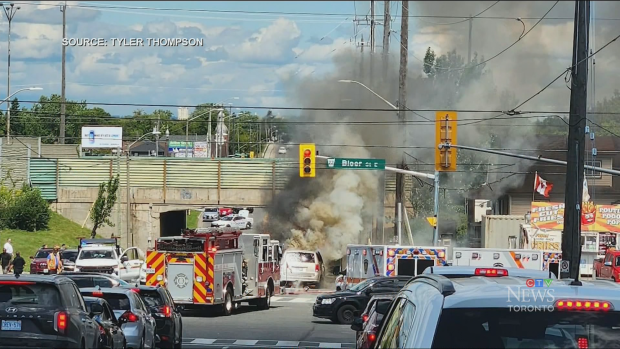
[
  {"x": 583, "y": 305},
  {"x": 490, "y": 272}
]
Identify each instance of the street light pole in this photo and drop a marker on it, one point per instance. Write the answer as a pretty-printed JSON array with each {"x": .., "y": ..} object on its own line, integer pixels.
[
  {"x": 10, "y": 11},
  {"x": 187, "y": 128},
  {"x": 8, "y": 115},
  {"x": 435, "y": 177}
]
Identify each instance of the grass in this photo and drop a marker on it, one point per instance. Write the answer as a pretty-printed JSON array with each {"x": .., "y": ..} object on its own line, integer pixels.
[
  {"x": 60, "y": 231},
  {"x": 192, "y": 219}
]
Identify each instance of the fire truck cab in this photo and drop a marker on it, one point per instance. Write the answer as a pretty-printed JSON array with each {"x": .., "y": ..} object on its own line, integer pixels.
[{"x": 216, "y": 267}]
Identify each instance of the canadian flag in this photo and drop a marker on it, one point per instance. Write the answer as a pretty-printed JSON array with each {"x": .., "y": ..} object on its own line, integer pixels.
[
  {"x": 542, "y": 187},
  {"x": 586, "y": 194}
]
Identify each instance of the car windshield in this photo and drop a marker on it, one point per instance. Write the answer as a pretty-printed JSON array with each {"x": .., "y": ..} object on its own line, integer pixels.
[
  {"x": 300, "y": 257},
  {"x": 152, "y": 298},
  {"x": 92, "y": 281},
  {"x": 42, "y": 253},
  {"x": 97, "y": 254},
  {"x": 116, "y": 300},
  {"x": 227, "y": 218},
  {"x": 69, "y": 255},
  {"x": 30, "y": 293},
  {"x": 362, "y": 285},
  {"x": 503, "y": 328},
  {"x": 211, "y": 210}
]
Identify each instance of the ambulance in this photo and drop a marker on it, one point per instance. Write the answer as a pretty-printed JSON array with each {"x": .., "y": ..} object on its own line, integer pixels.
[{"x": 498, "y": 258}]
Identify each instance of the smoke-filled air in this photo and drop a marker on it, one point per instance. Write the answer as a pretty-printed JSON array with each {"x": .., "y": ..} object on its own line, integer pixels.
[{"x": 341, "y": 207}]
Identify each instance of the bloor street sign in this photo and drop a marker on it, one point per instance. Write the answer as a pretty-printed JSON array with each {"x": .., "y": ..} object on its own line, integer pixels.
[{"x": 356, "y": 164}]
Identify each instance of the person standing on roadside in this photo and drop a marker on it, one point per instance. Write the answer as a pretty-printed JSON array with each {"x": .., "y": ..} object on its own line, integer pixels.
[
  {"x": 54, "y": 262},
  {"x": 5, "y": 260},
  {"x": 8, "y": 247},
  {"x": 18, "y": 264}
]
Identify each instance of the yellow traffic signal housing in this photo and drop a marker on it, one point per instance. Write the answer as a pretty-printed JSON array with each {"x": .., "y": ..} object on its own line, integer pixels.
[
  {"x": 307, "y": 160},
  {"x": 445, "y": 133}
]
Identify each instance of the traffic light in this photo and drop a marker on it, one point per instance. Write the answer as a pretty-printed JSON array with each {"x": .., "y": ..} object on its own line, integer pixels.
[
  {"x": 307, "y": 157},
  {"x": 445, "y": 132}
]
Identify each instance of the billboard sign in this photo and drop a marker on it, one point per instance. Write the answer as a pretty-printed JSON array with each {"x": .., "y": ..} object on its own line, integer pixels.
[
  {"x": 102, "y": 137},
  {"x": 594, "y": 218}
]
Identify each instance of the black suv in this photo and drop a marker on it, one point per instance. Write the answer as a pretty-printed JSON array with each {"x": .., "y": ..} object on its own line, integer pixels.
[
  {"x": 44, "y": 311},
  {"x": 340, "y": 306},
  {"x": 88, "y": 280},
  {"x": 167, "y": 316}
]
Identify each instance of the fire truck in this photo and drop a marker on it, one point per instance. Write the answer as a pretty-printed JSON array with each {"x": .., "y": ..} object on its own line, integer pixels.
[
  {"x": 219, "y": 267},
  {"x": 367, "y": 261}
]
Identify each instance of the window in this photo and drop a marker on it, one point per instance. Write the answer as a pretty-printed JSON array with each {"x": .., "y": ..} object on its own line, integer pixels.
[
  {"x": 139, "y": 303},
  {"x": 97, "y": 254},
  {"x": 397, "y": 326},
  {"x": 152, "y": 298},
  {"x": 24, "y": 295},
  {"x": 117, "y": 301},
  {"x": 299, "y": 257},
  {"x": 70, "y": 296},
  {"x": 42, "y": 253},
  {"x": 591, "y": 173}
]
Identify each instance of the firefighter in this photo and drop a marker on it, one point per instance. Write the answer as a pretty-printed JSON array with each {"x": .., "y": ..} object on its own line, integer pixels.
[
  {"x": 54, "y": 262},
  {"x": 244, "y": 276}
]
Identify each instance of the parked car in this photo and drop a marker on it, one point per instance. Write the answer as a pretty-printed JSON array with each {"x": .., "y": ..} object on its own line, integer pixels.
[
  {"x": 44, "y": 311},
  {"x": 282, "y": 150},
  {"x": 210, "y": 214},
  {"x": 167, "y": 316},
  {"x": 340, "y": 306},
  {"x": 225, "y": 211},
  {"x": 236, "y": 210},
  {"x": 136, "y": 321},
  {"x": 86, "y": 280},
  {"x": 302, "y": 266},
  {"x": 367, "y": 325},
  {"x": 234, "y": 221},
  {"x": 38, "y": 262},
  {"x": 111, "y": 334},
  {"x": 68, "y": 259}
]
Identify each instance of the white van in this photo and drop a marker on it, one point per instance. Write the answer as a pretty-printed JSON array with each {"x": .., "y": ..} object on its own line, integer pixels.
[{"x": 302, "y": 266}]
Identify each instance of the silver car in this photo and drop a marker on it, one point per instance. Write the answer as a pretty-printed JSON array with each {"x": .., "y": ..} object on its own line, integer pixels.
[
  {"x": 136, "y": 321},
  {"x": 210, "y": 214}
]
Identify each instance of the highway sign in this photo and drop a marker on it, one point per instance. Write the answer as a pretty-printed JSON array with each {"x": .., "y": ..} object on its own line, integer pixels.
[
  {"x": 355, "y": 164},
  {"x": 564, "y": 266}
]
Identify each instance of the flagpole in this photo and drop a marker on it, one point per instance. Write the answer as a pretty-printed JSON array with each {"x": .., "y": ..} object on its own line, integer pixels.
[{"x": 534, "y": 191}]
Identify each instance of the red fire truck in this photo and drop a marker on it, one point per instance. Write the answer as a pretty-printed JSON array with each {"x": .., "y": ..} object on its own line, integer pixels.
[{"x": 216, "y": 267}]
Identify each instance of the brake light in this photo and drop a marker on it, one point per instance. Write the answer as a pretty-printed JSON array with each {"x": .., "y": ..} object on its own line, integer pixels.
[
  {"x": 129, "y": 316},
  {"x": 136, "y": 290},
  {"x": 491, "y": 272},
  {"x": 102, "y": 330},
  {"x": 16, "y": 283},
  {"x": 372, "y": 337},
  {"x": 583, "y": 305},
  {"x": 316, "y": 268},
  {"x": 97, "y": 294},
  {"x": 365, "y": 317},
  {"x": 61, "y": 322},
  {"x": 166, "y": 310},
  {"x": 582, "y": 343}
]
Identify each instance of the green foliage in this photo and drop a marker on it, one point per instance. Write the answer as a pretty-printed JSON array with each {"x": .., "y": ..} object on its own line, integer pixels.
[
  {"x": 23, "y": 209},
  {"x": 103, "y": 206}
]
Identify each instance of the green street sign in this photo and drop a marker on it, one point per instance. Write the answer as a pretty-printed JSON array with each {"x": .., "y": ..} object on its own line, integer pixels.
[{"x": 356, "y": 164}]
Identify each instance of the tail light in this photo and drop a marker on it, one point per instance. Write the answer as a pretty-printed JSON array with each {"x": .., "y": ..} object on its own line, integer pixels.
[
  {"x": 130, "y": 317},
  {"x": 365, "y": 317},
  {"x": 583, "y": 305},
  {"x": 582, "y": 343},
  {"x": 316, "y": 268},
  {"x": 60, "y": 322},
  {"x": 136, "y": 290},
  {"x": 372, "y": 337},
  {"x": 16, "y": 283},
  {"x": 491, "y": 272},
  {"x": 102, "y": 330},
  {"x": 166, "y": 310},
  {"x": 97, "y": 294}
]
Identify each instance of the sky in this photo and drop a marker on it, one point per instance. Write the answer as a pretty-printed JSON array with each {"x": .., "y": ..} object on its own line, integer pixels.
[{"x": 248, "y": 56}]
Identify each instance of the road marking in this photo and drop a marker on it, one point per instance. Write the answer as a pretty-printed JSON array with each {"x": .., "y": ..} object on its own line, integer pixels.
[
  {"x": 330, "y": 345},
  {"x": 245, "y": 342},
  {"x": 263, "y": 343},
  {"x": 287, "y": 344},
  {"x": 203, "y": 341}
]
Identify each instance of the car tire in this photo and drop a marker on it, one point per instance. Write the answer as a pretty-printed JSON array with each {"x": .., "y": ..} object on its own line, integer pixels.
[
  {"x": 265, "y": 303},
  {"x": 248, "y": 226},
  {"x": 228, "y": 305},
  {"x": 345, "y": 314}
]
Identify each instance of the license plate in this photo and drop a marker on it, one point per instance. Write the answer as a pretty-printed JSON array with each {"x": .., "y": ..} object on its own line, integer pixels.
[
  {"x": 150, "y": 271},
  {"x": 46, "y": 270},
  {"x": 11, "y": 325}
]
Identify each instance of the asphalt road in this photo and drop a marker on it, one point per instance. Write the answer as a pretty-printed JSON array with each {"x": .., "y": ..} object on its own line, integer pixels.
[{"x": 287, "y": 324}]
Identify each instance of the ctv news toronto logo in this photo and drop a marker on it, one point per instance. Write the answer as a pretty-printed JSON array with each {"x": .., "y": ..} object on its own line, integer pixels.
[{"x": 536, "y": 296}]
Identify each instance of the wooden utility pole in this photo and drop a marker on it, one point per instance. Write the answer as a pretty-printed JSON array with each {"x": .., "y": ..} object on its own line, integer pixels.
[
  {"x": 63, "y": 106},
  {"x": 372, "y": 27},
  {"x": 402, "y": 103},
  {"x": 471, "y": 24},
  {"x": 386, "y": 36},
  {"x": 571, "y": 236}
]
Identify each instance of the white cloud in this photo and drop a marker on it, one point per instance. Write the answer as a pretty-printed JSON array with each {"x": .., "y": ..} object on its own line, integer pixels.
[{"x": 272, "y": 44}]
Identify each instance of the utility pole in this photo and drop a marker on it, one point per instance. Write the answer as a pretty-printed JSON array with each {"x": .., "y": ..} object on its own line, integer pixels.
[
  {"x": 372, "y": 27},
  {"x": 9, "y": 11},
  {"x": 471, "y": 24},
  {"x": 63, "y": 106},
  {"x": 402, "y": 102},
  {"x": 571, "y": 236},
  {"x": 386, "y": 36}
]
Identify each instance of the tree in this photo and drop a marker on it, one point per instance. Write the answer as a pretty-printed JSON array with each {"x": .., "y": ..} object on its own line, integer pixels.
[{"x": 103, "y": 206}]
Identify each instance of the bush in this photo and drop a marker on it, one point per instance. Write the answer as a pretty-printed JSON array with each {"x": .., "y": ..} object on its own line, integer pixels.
[{"x": 24, "y": 210}]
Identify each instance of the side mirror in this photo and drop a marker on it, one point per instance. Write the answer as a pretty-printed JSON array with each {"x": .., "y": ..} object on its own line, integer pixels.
[
  {"x": 608, "y": 264},
  {"x": 95, "y": 309},
  {"x": 124, "y": 259},
  {"x": 358, "y": 324}
]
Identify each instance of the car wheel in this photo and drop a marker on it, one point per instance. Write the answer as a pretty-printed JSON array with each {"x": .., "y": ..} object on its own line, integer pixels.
[
  {"x": 265, "y": 303},
  {"x": 248, "y": 226},
  {"x": 179, "y": 341},
  {"x": 228, "y": 303},
  {"x": 345, "y": 314}
]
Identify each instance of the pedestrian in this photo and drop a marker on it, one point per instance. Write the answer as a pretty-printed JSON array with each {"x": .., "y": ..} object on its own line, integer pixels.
[
  {"x": 5, "y": 260},
  {"x": 8, "y": 247},
  {"x": 63, "y": 247},
  {"x": 44, "y": 246},
  {"x": 54, "y": 261},
  {"x": 17, "y": 265}
]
